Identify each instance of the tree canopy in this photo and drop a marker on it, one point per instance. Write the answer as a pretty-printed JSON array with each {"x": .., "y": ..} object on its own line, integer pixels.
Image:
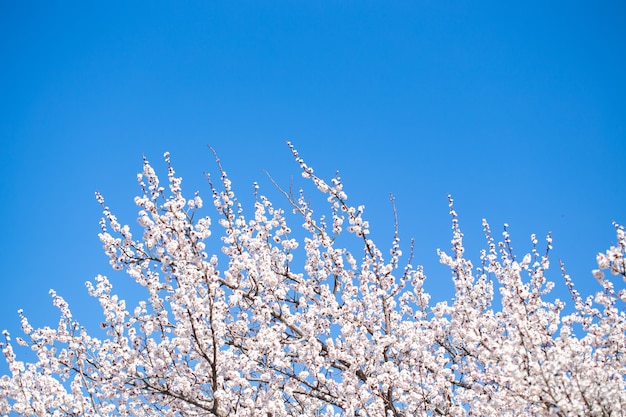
[{"x": 319, "y": 322}]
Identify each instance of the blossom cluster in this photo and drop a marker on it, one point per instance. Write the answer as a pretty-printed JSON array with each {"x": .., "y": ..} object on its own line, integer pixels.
[{"x": 317, "y": 322}]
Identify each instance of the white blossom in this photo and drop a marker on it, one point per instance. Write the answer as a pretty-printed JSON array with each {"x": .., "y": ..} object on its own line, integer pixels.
[{"x": 269, "y": 320}]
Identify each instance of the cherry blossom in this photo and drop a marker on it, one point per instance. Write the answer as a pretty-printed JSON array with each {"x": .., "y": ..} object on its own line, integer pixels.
[{"x": 247, "y": 315}]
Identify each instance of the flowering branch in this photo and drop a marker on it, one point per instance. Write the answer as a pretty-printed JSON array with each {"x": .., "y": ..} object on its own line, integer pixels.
[{"x": 265, "y": 321}]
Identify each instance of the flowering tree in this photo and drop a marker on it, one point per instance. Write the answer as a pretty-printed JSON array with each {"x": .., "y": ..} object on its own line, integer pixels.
[{"x": 324, "y": 325}]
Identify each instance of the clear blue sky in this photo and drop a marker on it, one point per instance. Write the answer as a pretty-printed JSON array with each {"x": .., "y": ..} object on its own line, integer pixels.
[{"x": 518, "y": 109}]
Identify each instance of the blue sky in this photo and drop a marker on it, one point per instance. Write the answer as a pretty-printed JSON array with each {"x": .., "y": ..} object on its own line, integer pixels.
[{"x": 518, "y": 109}]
